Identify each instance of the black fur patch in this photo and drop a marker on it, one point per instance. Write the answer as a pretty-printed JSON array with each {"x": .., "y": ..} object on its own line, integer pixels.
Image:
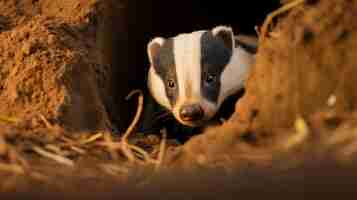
[
  {"x": 215, "y": 55},
  {"x": 165, "y": 67}
]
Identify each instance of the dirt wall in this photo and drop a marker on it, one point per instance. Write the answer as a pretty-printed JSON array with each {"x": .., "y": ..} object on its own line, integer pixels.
[{"x": 53, "y": 64}]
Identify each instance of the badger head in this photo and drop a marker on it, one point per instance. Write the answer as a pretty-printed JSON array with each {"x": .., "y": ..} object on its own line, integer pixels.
[{"x": 192, "y": 74}]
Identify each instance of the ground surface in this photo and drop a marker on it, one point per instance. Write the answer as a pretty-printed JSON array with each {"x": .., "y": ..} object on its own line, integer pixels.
[{"x": 297, "y": 117}]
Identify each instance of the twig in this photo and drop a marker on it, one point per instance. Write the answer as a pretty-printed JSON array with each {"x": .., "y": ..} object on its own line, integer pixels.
[
  {"x": 125, "y": 146},
  {"x": 271, "y": 16},
  {"x": 54, "y": 149},
  {"x": 91, "y": 139},
  {"x": 143, "y": 153},
  {"x": 108, "y": 140},
  {"x": 162, "y": 151},
  {"x": 45, "y": 121},
  {"x": 119, "y": 145},
  {"x": 57, "y": 158},
  {"x": 78, "y": 150},
  {"x": 138, "y": 112}
]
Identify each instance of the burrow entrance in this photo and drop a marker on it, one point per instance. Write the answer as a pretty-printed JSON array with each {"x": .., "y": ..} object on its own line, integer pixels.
[{"x": 129, "y": 26}]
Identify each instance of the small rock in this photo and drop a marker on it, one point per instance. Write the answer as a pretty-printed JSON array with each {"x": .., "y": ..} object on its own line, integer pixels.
[{"x": 331, "y": 101}]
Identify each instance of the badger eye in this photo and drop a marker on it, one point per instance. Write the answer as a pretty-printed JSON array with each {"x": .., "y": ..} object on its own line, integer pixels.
[
  {"x": 210, "y": 78},
  {"x": 171, "y": 83}
]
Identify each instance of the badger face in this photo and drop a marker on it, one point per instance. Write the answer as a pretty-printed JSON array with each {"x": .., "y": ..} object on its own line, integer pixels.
[{"x": 192, "y": 74}]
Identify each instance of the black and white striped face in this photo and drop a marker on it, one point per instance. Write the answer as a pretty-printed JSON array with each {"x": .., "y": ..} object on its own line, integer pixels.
[{"x": 191, "y": 74}]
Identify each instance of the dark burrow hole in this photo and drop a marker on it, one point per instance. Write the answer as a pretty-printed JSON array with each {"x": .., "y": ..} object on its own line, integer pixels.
[{"x": 132, "y": 24}]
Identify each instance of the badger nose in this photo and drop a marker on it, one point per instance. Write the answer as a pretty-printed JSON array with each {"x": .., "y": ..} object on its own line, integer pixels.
[{"x": 191, "y": 112}]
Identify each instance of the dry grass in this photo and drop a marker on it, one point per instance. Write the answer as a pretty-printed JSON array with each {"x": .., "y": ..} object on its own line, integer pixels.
[
  {"x": 56, "y": 157},
  {"x": 134, "y": 153},
  {"x": 62, "y": 149}
]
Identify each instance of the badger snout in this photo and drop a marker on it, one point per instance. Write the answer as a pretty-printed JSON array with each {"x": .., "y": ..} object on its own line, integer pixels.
[
  {"x": 191, "y": 113},
  {"x": 194, "y": 114}
]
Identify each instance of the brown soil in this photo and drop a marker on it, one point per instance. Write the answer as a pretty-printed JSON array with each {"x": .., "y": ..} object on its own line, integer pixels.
[
  {"x": 58, "y": 101},
  {"x": 50, "y": 64},
  {"x": 309, "y": 60}
]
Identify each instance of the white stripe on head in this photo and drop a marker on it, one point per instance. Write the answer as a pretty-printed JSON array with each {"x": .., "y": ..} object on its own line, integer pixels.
[
  {"x": 157, "y": 88},
  {"x": 187, "y": 51}
]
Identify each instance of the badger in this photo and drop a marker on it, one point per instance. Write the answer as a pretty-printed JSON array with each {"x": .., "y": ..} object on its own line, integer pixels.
[{"x": 192, "y": 74}]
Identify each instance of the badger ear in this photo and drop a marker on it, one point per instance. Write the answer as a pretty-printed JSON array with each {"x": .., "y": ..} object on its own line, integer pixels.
[
  {"x": 154, "y": 47},
  {"x": 225, "y": 33}
]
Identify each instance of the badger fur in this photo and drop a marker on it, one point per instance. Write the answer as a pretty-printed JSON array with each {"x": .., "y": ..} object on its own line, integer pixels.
[{"x": 192, "y": 74}]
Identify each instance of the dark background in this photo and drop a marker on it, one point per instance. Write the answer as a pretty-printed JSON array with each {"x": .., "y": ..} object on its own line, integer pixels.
[{"x": 148, "y": 19}]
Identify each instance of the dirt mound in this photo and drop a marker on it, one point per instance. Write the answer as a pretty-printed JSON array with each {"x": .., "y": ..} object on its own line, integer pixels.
[
  {"x": 306, "y": 66},
  {"x": 50, "y": 64}
]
